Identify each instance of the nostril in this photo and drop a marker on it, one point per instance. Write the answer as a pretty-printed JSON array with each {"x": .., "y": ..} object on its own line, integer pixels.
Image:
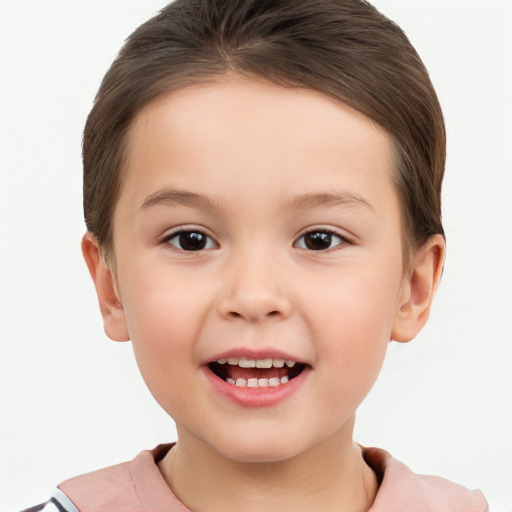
[
  {"x": 253, "y": 307},
  {"x": 235, "y": 314}
]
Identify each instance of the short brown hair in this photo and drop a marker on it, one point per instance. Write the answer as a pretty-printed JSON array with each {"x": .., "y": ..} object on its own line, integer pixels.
[{"x": 343, "y": 48}]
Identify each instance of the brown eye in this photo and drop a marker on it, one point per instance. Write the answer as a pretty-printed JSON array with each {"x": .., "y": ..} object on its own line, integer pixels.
[
  {"x": 191, "y": 241},
  {"x": 319, "y": 240}
]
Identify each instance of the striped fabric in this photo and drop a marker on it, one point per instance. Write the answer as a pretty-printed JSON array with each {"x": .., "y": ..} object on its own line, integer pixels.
[{"x": 59, "y": 502}]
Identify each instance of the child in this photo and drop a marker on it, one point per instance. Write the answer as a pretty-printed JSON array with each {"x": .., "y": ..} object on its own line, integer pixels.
[{"x": 262, "y": 188}]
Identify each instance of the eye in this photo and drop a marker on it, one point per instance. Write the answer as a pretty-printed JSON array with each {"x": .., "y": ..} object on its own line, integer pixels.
[
  {"x": 190, "y": 240},
  {"x": 319, "y": 240}
]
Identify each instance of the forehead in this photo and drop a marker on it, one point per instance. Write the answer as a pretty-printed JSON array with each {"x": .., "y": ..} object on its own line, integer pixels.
[{"x": 221, "y": 136}]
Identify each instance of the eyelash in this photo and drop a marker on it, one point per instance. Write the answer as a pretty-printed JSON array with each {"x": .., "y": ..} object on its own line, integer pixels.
[
  {"x": 178, "y": 234},
  {"x": 326, "y": 236},
  {"x": 326, "y": 233}
]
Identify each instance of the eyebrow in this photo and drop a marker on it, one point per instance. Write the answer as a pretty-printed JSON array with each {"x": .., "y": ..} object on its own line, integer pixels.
[
  {"x": 172, "y": 197},
  {"x": 315, "y": 200}
]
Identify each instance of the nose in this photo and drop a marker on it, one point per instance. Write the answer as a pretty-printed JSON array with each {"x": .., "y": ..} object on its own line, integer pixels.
[{"x": 255, "y": 290}]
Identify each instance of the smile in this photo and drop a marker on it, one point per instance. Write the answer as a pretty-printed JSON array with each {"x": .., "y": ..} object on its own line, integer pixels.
[{"x": 256, "y": 373}]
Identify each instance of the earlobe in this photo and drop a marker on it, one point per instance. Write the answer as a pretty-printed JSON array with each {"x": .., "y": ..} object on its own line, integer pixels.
[
  {"x": 111, "y": 308},
  {"x": 419, "y": 289}
]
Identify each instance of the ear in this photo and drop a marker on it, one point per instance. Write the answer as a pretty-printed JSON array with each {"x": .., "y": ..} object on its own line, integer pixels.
[
  {"x": 418, "y": 290},
  {"x": 111, "y": 308}
]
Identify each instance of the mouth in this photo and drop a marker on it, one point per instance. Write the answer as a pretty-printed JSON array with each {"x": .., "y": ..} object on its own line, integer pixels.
[{"x": 256, "y": 373}]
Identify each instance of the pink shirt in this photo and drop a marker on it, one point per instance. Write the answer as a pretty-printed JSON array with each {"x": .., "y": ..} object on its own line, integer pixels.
[{"x": 138, "y": 486}]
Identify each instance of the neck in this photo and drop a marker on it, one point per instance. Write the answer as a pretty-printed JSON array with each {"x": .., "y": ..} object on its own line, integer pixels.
[{"x": 331, "y": 476}]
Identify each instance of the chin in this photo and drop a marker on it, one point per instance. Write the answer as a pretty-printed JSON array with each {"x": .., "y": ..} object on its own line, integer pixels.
[
  {"x": 261, "y": 448},
  {"x": 258, "y": 455}
]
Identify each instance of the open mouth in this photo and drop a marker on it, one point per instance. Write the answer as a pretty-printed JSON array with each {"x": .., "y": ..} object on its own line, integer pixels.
[{"x": 256, "y": 373}]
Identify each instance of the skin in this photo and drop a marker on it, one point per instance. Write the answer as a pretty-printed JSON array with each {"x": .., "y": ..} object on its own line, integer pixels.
[{"x": 253, "y": 152}]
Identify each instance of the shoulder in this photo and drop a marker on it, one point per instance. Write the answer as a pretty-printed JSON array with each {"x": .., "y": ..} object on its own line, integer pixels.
[
  {"x": 402, "y": 490},
  {"x": 112, "y": 486},
  {"x": 130, "y": 486}
]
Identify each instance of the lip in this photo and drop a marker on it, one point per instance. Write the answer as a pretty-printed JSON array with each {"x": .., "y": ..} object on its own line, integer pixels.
[
  {"x": 255, "y": 397},
  {"x": 249, "y": 353}
]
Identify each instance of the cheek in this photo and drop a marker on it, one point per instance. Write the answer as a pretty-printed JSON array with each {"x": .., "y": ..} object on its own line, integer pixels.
[
  {"x": 163, "y": 323},
  {"x": 359, "y": 303},
  {"x": 162, "y": 306},
  {"x": 352, "y": 325}
]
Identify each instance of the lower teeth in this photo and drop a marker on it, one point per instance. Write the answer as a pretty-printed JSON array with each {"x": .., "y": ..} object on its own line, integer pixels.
[{"x": 257, "y": 383}]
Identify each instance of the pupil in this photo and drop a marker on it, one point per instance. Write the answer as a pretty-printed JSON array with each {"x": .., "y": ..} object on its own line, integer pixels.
[
  {"x": 318, "y": 240},
  {"x": 192, "y": 241}
]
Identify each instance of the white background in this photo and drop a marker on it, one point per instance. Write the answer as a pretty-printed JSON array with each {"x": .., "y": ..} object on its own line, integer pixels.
[{"x": 72, "y": 401}]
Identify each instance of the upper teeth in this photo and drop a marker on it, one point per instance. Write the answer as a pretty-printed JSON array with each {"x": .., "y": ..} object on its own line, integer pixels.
[{"x": 257, "y": 363}]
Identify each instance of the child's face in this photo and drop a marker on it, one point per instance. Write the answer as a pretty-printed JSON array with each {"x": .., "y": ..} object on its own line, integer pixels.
[{"x": 286, "y": 197}]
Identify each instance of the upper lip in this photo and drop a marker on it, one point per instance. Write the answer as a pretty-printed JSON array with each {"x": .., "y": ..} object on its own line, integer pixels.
[{"x": 254, "y": 354}]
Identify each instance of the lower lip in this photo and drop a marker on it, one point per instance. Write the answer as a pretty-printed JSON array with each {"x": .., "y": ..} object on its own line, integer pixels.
[{"x": 256, "y": 397}]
